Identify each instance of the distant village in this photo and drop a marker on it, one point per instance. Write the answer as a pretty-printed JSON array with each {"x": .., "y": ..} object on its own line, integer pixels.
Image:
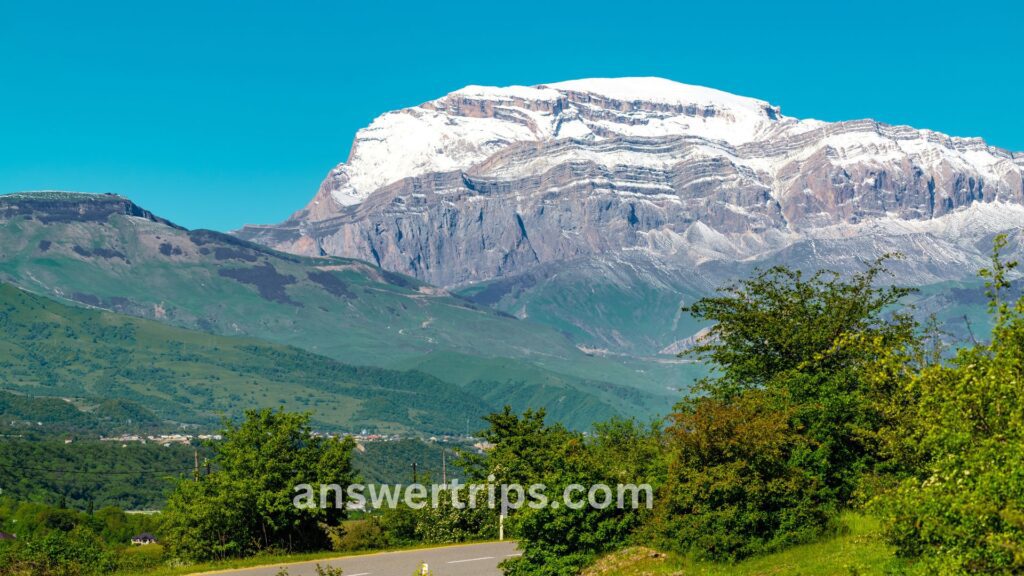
[
  {"x": 162, "y": 439},
  {"x": 190, "y": 438},
  {"x": 360, "y": 438}
]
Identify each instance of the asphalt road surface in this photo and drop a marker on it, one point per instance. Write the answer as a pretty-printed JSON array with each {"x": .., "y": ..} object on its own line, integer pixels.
[{"x": 467, "y": 560}]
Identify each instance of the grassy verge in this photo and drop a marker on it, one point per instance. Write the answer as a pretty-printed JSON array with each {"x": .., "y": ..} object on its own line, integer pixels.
[{"x": 857, "y": 551}]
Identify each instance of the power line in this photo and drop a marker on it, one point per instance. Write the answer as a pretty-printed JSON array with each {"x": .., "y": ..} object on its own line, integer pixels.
[{"x": 95, "y": 472}]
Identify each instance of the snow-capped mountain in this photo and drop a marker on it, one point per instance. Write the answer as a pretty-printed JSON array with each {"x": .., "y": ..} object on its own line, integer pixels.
[
  {"x": 472, "y": 124},
  {"x": 683, "y": 186}
]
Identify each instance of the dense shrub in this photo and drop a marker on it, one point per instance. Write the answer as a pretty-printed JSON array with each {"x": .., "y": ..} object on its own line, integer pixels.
[
  {"x": 366, "y": 534},
  {"x": 447, "y": 524},
  {"x": 73, "y": 553},
  {"x": 444, "y": 524},
  {"x": 813, "y": 339},
  {"x": 62, "y": 542},
  {"x": 962, "y": 511},
  {"x": 733, "y": 489}
]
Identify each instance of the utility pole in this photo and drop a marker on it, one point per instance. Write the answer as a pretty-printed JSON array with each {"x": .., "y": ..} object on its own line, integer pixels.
[
  {"x": 444, "y": 467},
  {"x": 195, "y": 453},
  {"x": 414, "y": 473}
]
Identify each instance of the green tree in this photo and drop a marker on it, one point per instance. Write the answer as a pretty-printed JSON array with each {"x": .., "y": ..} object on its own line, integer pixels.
[
  {"x": 813, "y": 341},
  {"x": 781, "y": 321},
  {"x": 522, "y": 448},
  {"x": 246, "y": 504},
  {"x": 558, "y": 540}
]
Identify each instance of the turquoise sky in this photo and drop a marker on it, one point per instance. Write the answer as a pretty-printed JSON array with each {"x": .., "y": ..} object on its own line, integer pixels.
[{"x": 216, "y": 113}]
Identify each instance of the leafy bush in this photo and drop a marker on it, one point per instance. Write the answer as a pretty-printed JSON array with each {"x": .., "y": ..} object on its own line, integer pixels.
[
  {"x": 78, "y": 552},
  {"x": 355, "y": 535},
  {"x": 962, "y": 511},
  {"x": 444, "y": 524},
  {"x": 58, "y": 541},
  {"x": 733, "y": 489},
  {"x": 447, "y": 524}
]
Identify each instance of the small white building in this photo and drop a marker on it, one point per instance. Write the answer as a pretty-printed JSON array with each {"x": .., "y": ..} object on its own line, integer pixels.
[{"x": 143, "y": 539}]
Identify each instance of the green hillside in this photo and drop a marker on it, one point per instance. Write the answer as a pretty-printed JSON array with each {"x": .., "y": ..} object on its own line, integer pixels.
[
  {"x": 134, "y": 476},
  {"x": 618, "y": 306},
  {"x": 58, "y": 351},
  {"x": 20, "y": 413},
  {"x": 94, "y": 250},
  {"x": 137, "y": 476},
  {"x": 103, "y": 251}
]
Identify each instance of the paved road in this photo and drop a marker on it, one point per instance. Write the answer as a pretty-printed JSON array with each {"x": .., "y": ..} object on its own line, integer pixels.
[{"x": 467, "y": 560}]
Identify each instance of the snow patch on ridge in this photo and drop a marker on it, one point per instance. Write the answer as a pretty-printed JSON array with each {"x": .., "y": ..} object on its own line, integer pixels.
[
  {"x": 972, "y": 222},
  {"x": 469, "y": 125},
  {"x": 508, "y": 93},
  {"x": 661, "y": 91}
]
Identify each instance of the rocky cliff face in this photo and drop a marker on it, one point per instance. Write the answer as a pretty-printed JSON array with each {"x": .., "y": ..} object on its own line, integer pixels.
[
  {"x": 488, "y": 182},
  {"x": 62, "y": 207},
  {"x": 687, "y": 187}
]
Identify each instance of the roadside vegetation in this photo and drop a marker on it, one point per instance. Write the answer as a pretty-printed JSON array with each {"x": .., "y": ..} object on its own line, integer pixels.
[{"x": 857, "y": 549}]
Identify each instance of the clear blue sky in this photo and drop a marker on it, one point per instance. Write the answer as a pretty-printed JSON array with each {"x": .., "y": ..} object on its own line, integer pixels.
[{"x": 216, "y": 113}]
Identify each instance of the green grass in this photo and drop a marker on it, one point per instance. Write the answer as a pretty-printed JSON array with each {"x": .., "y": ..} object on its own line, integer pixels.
[{"x": 858, "y": 550}]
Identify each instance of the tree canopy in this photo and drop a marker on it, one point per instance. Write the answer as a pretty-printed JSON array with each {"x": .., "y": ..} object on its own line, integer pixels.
[{"x": 246, "y": 503}]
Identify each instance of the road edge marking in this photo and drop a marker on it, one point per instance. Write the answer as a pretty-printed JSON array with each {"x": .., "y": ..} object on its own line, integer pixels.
[{"x": 333, "y": 558}]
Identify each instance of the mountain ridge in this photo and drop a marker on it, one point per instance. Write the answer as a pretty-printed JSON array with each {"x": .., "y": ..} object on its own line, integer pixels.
[
  {"x": 738, "y": 167},
  {"x": 750, "y": 119},
  {"x": 530, "y": 186}
]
